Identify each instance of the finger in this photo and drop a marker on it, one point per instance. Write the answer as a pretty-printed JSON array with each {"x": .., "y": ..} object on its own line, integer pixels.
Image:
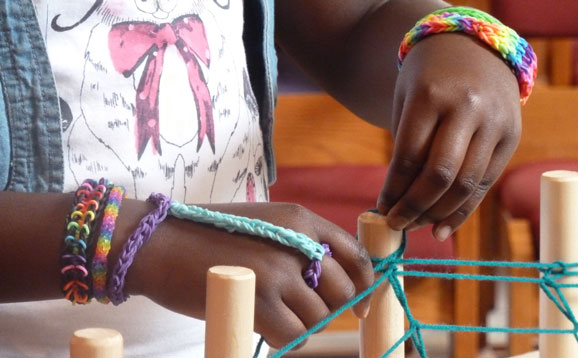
[
  {"x": 306, "y": 303},
  {"x": 398, "y": 105},
  {"x": 418, "y": 223},
  {"x": 500, "y": 158},
  {"x": 335, "y": 286},
  {"x": 412, "y": 142},
  {"x": 277, "y": 323},
  {"x": 469, "y": 179},
  {"x": 351, "y": 260},
  {"x": 447, "y": 154}
]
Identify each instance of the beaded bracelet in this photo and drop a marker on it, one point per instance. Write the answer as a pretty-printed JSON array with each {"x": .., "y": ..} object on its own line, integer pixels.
[
  {"x": 513, "y": 48},
  {"x": 75, "y": 279},
  {"x": 99, "y": 261},
  {"x": 141, "y": 235}
]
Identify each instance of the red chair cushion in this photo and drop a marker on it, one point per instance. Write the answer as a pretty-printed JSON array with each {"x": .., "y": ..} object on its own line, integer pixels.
[
  {"x": 538, "y": 17},
  {"x": 519, "y": 190},
  {"x": 341, "y": 193}
]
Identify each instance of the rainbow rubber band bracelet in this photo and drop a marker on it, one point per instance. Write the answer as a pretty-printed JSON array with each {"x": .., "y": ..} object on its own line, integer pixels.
[
  {"x": 516, "y": 51},
  {"x": 99, "y": 260},
  {"x": 76, "y": 283}
]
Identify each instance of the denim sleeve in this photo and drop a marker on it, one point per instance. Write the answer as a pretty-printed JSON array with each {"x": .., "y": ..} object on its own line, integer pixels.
[
  {"x": 4, "y": 141},
  {"x": 31, "y": 120}
]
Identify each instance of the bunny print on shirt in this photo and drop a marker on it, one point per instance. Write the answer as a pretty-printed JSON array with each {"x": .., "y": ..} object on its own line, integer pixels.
[{"x": 155, "y": 95}]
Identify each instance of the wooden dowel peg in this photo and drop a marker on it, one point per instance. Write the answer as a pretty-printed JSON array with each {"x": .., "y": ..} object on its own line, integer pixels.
[
  {"x": 558, "y": 242},
  {"x": 96, "y": 343},
  {"x": 230, "y": 311},
  {"x": 384, "y": 325}
]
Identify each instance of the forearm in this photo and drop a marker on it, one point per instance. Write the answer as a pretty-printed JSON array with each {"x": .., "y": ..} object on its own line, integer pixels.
[
  {"x": 171, "y": 267},
  {"x": 31, "y": 235},
  {"x": 353, "y": 53}
]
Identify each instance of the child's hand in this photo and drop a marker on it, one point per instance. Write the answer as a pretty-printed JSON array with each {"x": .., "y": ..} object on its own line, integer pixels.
[
  {"x": 171, "y": 268},
  {"x": 454, "y": 108},
  {"x": 456, "y": 123}
]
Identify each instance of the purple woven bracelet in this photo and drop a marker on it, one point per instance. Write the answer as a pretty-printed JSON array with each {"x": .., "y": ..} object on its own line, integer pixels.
[
  {"x": 313, "y": 272},
  {"x": 141, "y": 235}
]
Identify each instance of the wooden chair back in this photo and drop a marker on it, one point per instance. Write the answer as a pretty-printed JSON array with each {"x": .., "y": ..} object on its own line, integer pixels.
[{"x": 549, "y": 125}]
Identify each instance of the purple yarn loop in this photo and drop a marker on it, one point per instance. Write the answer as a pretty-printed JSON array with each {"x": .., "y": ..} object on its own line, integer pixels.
[
  {"x": 313, "y": 272},
  {"x": 141, "y": 235}
]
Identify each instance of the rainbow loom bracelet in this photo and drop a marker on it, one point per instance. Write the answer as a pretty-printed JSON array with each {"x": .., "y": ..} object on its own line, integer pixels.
[
  {"x": 229, "y": 222},
  {"x": 287, "y": 237},
  {"x": 75, "y": 279},
  {"x": 513, "y": 48},
  {"x": 73, "y": 258},
  {"x": 99, "y": 260},
  {"x": 234, "y": 223},
  {"x": 313, "y": 272},
  {"x": 141, "y": 235}
]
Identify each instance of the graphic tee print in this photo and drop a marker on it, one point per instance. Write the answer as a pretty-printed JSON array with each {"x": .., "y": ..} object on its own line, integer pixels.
[{"x": 155, "y": 95}]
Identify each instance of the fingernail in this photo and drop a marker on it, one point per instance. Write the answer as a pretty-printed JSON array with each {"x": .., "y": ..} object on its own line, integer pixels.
[
  {"x": 443, "y": 233},
  {"x": 365, "y": 312},
  {"x": 412, "y": 226}
]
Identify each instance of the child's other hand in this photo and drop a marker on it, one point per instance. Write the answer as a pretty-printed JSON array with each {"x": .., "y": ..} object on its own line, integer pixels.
[
  {"x": 180, "y": 253},
  {"x": 456, "y": 123}
]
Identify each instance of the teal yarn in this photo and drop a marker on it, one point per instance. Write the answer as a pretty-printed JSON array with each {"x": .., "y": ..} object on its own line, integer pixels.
[
  {"x": 233, "y": 223},
  {"x": 388, "y": 267},
  {"x": 549, "y": 283},
  {"x": 258, "y": 349},
  {"x": 329, "y": 318}
]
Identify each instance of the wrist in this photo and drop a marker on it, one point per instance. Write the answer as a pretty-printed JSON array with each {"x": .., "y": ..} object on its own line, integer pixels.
[{"x": 515, "y": 51}]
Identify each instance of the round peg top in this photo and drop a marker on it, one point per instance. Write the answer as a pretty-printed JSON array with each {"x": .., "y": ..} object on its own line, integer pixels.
[
  {"x": 372, "y": 218},
  {"x": 236, "y": 273},
  {"x": 560, "y": 175},
  {"x": 229, "y": 312},
  {"x": 96, "y": 343}
]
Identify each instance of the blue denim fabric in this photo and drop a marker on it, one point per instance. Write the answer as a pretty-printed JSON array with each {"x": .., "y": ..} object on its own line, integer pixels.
[
  {"x": 32, "y": 114},
  {"x": 270, "y": 100},
  {"x": 259, "y": 38},
  {"x": 31, "y": 157},
  {"x": 4, "y": 140}
]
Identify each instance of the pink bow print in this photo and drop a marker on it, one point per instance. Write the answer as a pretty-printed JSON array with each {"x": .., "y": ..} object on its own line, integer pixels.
[{"x": 131, "y": 43}]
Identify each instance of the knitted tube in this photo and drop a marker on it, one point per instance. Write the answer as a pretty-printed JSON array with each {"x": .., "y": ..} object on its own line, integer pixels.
[
  {"x": 141, "y": 235},
  {"x": 313, "y": 272},
  {"x": 234, "y": 223},
  {"x": 287, "y": 237},
  {"x": 516, "y": 51}
]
